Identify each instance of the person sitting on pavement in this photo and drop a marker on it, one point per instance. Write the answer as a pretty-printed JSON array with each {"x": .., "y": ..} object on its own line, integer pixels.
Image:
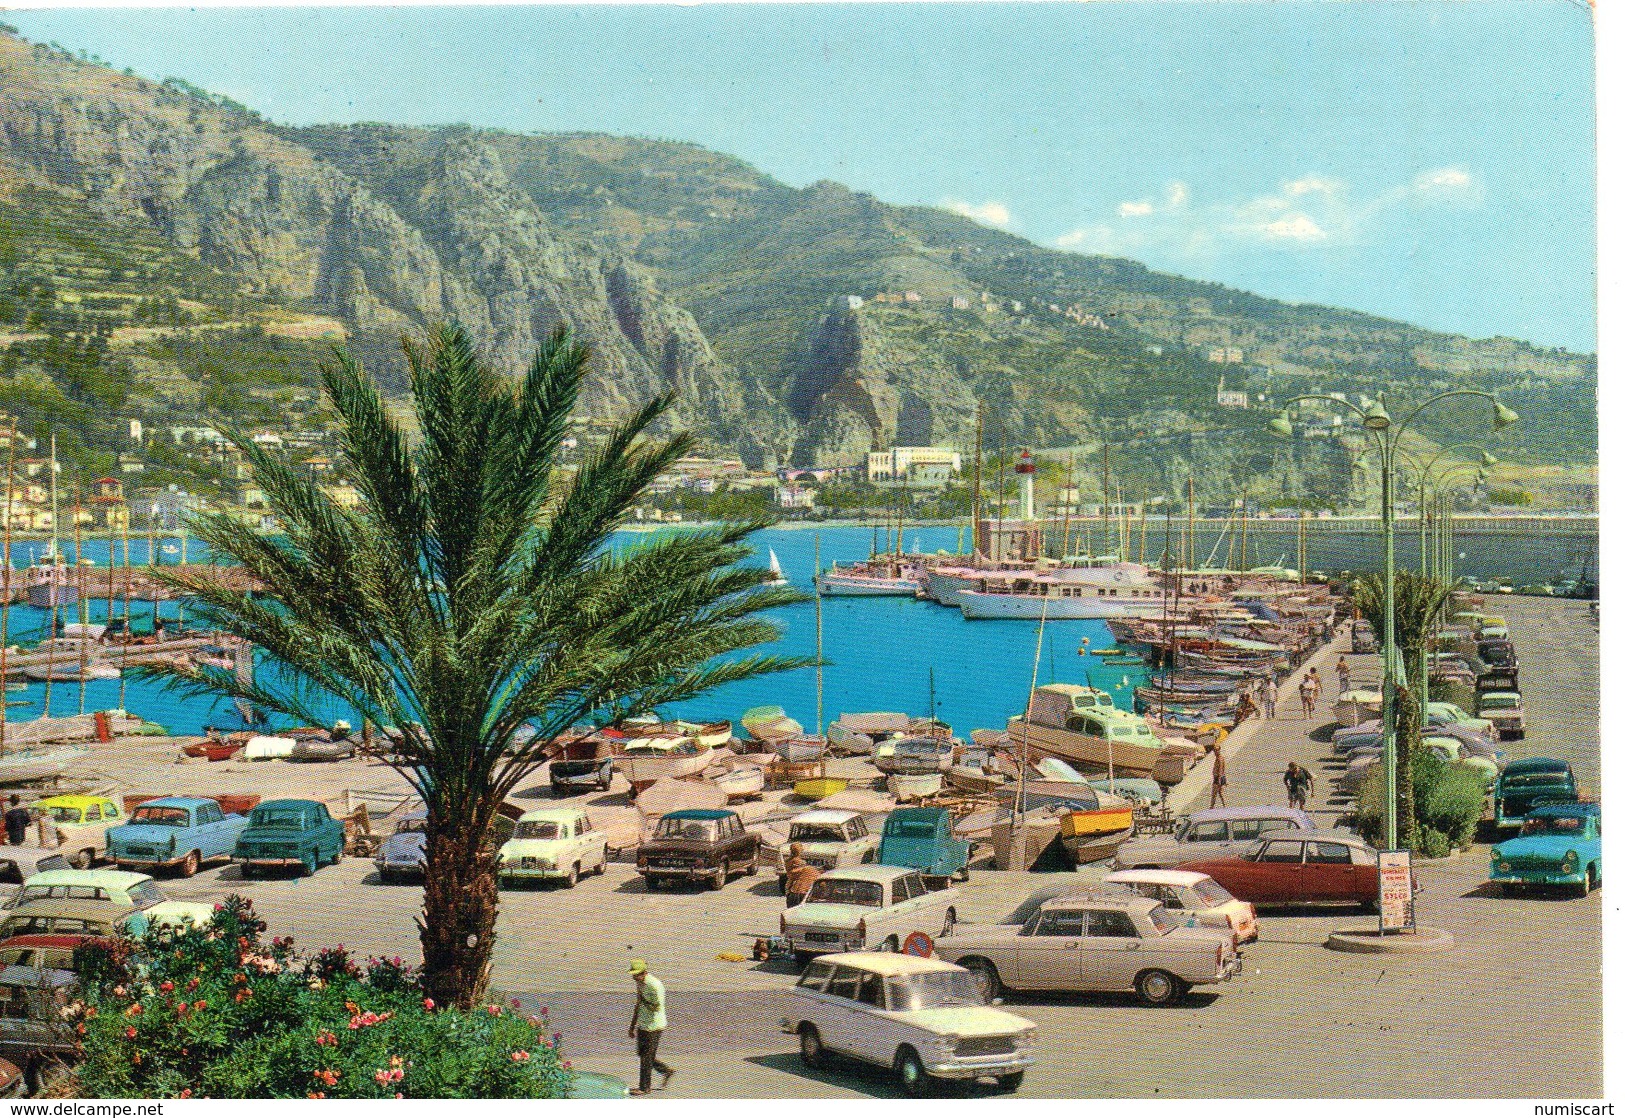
[{"x": 799, "y": 874}]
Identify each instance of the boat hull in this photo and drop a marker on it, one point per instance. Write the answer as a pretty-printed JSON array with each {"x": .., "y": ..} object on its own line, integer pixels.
[
  {"x": 977, "y": 606},
  {"x": 864, "y": 587},
  {"x": 644, "y": 770},
  {"x": 914, "y": 786},
  {"x": 1099, "y": 753}
]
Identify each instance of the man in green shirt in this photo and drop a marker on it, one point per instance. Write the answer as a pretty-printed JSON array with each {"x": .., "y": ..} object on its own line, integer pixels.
[{"x": 648, "y": 1022}]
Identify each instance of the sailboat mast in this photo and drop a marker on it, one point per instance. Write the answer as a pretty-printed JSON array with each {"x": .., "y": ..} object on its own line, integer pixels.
[
  {"x": 818, "y": 624},
  {"x": 976, "y": 485},
  {"x": 129, "y": 579},
  {"x": 1105, "y": 494},
  {"x": 1190, "y": 521},
  {"x": 5, "y": 601},
  {"x": 1244, "y": 519},
  {"x": 79, "y": 594},
  {"x": 1066, "y": 513}
]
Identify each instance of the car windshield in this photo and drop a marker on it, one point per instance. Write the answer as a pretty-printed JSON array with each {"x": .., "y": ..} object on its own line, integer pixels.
[
  {"x": 412, "y": 827},
  {"x": 1212, "y": 893},
  {"x": 838, "y": 890},
  {"x": 279, "y": 818},
  {"x": 1494, "y": 655},
  {"x": 1163, "y": 920},
  {"x": 160, "y": 816},
  {"x": 694, "y": 830},
  {"x": 536, "y": 829},
  {"x": 145, "y": 894},
  {"x": 937, "y": 990},
  {"x": 816, "y": 832},
  {"x": 1553, "y": 825}
]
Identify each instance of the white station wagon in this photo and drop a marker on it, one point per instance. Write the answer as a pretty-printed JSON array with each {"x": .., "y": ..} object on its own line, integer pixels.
[
  {"x": 861, "y": 908},
  {"x": 923, "y": 1018}
]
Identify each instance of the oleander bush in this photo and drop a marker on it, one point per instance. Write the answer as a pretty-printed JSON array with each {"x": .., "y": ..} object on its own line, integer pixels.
[{"x": 223, "y": 1012}]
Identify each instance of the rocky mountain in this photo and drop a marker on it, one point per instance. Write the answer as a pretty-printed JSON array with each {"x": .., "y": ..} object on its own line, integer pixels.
[{"x": 796, "y": 325}]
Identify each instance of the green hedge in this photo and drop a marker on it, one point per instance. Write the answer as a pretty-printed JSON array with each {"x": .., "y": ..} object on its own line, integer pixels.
[{"x": 1449, "y": 804}]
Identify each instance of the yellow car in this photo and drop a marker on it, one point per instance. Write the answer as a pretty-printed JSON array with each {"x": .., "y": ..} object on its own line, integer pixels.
[{"x": 82, "y": 821}]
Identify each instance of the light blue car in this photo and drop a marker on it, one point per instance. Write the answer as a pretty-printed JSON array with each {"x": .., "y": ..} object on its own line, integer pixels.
[
  {"x": 174, "y": 832},
  {"x": 1559, "y": 844}
]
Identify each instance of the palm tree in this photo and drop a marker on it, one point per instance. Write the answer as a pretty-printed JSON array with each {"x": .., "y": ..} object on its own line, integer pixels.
[
  {"x": 470, "y": 600},
  {"x": 1419, "y": 601}
]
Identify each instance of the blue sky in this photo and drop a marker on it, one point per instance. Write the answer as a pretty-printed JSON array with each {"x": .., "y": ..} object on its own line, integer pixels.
[{"x": 1429, "y": 162}]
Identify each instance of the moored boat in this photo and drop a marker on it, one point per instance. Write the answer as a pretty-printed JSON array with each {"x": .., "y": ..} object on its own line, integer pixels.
[
  {"x": 646, "y": 760},
  {"x": 769, "y": 724},
  {"x": 914, "y": 786},
  {"x": 27, "y": 765},
  {"x": 742, "y": 781},
  {"x": 915, "y": 755}
]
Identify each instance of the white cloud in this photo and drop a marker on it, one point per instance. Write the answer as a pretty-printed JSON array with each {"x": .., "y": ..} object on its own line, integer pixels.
[
  {"x": 1175, "y": 195},
  {"x": 1312, "y": 184},
  {"x": 992, "y": 213},
  {"x": 1178, "y": 195},
  {"x": 1294, "y": 227},
  {"x": 1443, "y": 179},
  {"x": 1136, "y": 209}
]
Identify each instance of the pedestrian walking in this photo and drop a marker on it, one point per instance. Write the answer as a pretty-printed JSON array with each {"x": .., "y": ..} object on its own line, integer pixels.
[
  {"x": 648, "y": 1024},
  {"x": 1306, "y": 696},
  {"x": 1300, "y": 783},
  {"x": 1314, "y": 695},
  {"x": 799, "y": 874},
  {"x": 1271, "y": 693},
  {"x": 17, "y": 819},
  {"x": 1342, "y": 674},
  {"x": 1220, "y": 778}
]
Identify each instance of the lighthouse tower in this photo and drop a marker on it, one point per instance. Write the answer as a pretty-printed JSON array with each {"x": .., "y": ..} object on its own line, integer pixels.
[{"x": 1025, "y": 470}]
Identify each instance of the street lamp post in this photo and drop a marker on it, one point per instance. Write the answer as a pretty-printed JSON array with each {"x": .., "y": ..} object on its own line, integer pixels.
[{"x": 1384, "y": 435}]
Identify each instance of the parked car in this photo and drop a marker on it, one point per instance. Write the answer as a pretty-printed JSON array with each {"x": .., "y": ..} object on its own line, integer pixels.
[
  {"x": 1215, "y": 831},
  {"x": 53, "y": 917},
  {"x": 700, "y": 844},
  {"x": 1495, "y": 666},
  {"x": 175, "y": 832},
  {"x": 289, "y": 833},
  {"x": 865, "y": 907},
  {"x": 1317, "y": 867},
  {"x": 1096, "y": 944},
  {"x": 53, "y": 951},
  {"x": 82, "y": 822},
  {"x": 1530, "y": 782},
  {"x": 32, "y": 1036},
  {"x": 1504, "y": 710},
  {"x": 1366, "y": 760},
  {"x": 1193, "y": 898},
  {"x": 922, "y": 838},
  {"x": 19, "y": 863},
  {"x": 923, "y": 1018},
  {"x": 126, "y": 890},
  {"x": 568, "y": 776},
  {"x": 829, "y": 840},
  {"x": 1558, "y": 844},
  {"x": 553, "y": 844},
  {"x": 1363, "y": 638},
  {"x": 1449, "y": 714},
  {"x": 401, "y": 857}
]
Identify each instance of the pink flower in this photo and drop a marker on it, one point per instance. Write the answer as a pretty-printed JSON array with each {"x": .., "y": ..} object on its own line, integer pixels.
[
  {"x": 520, "y": 1056},
  {"x": 166, "y": 987},
  {"x": 428, "y": 1004},
  {"x": 514, "y": 1003},
  {"x": 180, "y": 1009},
  {"x": 130, "y": 1032}
]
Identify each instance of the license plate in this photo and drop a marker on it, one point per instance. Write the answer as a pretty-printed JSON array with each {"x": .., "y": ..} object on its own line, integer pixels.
[{"x": 823, "y": 937}]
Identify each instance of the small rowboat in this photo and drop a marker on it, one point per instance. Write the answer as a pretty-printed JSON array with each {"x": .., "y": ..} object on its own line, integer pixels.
[
  {"x": 914, "y": 786},
  {"x": 742, "y": 781},
  {"x": 212, "y": 750},
  {"x": 820, "y": 787},
  {"x": 797, "y": 750},
  {"x": 770, "y": 724}
]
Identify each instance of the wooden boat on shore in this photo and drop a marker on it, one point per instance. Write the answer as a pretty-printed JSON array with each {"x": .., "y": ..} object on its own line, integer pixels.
[
  {"x": 798, "y": 750},
  {"x": 860, "y": 733},
  {"x": 914, "y": 786},
  {"x": 768, "y": 724},
  {"x": 742, "y": 781},
  {"x": 821, "y": 787},
  {"x": 213, "y": 750},
  {"x": 915, "y": 755},
  {"x": 646, "y": 760},
  {"x": 1358, "y": 705},
  {"x": 714, "y": 735},
  {"x": 29, "y": 765}
]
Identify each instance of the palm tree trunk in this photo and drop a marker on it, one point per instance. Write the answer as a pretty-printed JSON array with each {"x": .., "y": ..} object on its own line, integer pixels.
[
  {"x": 1407, "y": 740},
  {"x": 459, "y": 910}
]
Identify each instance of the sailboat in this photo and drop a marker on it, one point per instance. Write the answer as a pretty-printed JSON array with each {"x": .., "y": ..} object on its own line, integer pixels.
[{"x": 777, "y": 571}]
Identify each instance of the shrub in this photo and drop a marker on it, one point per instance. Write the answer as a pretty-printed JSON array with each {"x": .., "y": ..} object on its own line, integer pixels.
[
  {"x": 1449, "y": 802},
  {"x": 220, "y": 1012}
]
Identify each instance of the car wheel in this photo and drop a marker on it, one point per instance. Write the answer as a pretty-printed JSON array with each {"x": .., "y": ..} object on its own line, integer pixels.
[
  {"x": 312, "y": 862},
  {"x": 803, "y": 958},
  {"x": 247, "y": 871},
  {"x": 83, "y": 859},
  {"x": 812, "y": 1047},
  {"x": 1158, "y": 987},
  {"x": 751, "y": 867},
  {"x": 910, "y": 1071},
  {"x": 573, "y": 876},
  {"x": 387, "y": 877},
  {"x": 719, "y": 879},
  {"x": 1012, "y": 1081},
  {"x": 949, "y": 921},
  {"x": 603, "y": 861},
  {"x": 986, "y": 977},
  {"x": 651, "y": 883},
  {"x": 189, "y": 866},
  {"x": 889, "y": 944},
  {"x": 1584, "y": 888}
]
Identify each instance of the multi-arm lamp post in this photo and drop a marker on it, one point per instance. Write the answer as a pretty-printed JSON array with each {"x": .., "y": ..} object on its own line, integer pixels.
[{"x": 1384, "y": 434}]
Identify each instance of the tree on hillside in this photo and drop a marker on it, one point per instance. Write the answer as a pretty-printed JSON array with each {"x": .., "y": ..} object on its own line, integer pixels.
[
  {"x": 1419, "y": 602},
  {"x": 472, "y": 601}
]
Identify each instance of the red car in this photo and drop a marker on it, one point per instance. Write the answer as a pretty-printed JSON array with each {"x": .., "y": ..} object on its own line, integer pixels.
[{"x": 1299, "y": 867}]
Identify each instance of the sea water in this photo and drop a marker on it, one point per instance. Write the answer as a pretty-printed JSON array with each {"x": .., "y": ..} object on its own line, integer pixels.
[{"x": 892, "y": 654}]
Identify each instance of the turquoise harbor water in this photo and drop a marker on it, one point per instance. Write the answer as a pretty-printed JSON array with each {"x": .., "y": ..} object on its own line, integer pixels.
[{"x": 883, "y": 653}]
